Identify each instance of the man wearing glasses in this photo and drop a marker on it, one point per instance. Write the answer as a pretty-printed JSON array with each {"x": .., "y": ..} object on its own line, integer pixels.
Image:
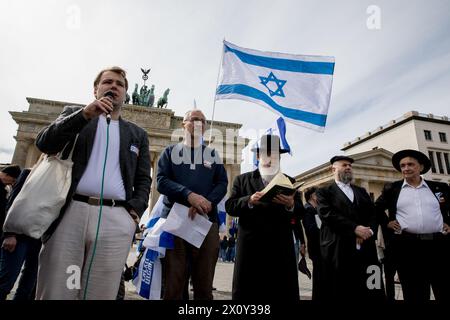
[{"x": 193, "y": 175}]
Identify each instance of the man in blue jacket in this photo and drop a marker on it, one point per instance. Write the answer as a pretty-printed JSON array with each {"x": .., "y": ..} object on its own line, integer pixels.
[{"x": 193, "y": 175}]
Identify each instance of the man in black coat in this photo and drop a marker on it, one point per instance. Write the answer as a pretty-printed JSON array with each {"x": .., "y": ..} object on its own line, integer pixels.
[
  {"x": 417, "y": 227},
  {"x": 312, "y": 230},
  {"x": 347, "y": 238},
  {"x": 264, "y": 270},
  {"x": 8, "y": 177}
]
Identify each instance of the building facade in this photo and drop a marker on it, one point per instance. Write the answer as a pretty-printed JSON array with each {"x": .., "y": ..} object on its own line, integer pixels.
[
  {"x": 424, "y": 132},
  {"x": 160, "y": 124},
  {"x": 373, "y": 151}
]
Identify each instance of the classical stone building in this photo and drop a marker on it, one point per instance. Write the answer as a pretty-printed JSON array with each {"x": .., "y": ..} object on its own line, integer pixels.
[
  {"x": 160, "y": 124},
  {"x": 371, "y": 170},
  {"x": 373, "y": 151},
  {"x": 427, "y": 133}
]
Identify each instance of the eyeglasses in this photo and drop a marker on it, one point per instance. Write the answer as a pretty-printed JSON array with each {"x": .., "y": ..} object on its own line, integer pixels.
[{"x": 193, "y": 119}]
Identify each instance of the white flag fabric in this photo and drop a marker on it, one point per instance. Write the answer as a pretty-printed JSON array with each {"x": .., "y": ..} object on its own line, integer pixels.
[
  {"x": 222, "y": 213},
  {"x": 297, "y": 87},
  {"x": 148, "y": 276}
]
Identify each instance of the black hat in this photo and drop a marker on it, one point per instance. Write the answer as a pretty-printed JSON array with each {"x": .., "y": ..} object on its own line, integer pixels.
[
  {"x": 269, "y": 142},
  {"x": 12, "y": 171},
  {"x": 419, "y": 156},
  {"x": 339, "y": 158}
]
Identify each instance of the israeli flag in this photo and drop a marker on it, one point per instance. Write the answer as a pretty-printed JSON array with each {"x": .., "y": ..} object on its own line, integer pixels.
[
  {"x": 148, "y": 276},
  {"x": 222, "y": 215},
  {"x": 296, "y": 87}
]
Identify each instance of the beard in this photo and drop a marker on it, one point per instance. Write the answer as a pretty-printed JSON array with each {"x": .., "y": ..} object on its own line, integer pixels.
[
  {"x": 345, "y": 177},
  {"x": 268, "y": 173}
]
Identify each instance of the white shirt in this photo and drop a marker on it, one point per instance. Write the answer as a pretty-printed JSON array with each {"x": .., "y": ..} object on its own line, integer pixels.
[
  {"x": 347, "y": 189},
  {"x": 418, "y": 209},
  {"x": 91, "y": 181}
]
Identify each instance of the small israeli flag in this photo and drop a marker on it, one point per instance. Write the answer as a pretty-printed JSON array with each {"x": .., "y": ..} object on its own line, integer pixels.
[
  {"x": 222, "y": 215},
  {"x": 148, "y": 276},
  {"x": 297, "y": 87}
]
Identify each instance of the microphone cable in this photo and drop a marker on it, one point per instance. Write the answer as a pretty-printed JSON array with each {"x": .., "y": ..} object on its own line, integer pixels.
[{"x": 99, "y": 213}]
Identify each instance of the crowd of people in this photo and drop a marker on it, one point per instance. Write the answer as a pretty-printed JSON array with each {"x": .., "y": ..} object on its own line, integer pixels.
[{"x": 337, "y": 225}]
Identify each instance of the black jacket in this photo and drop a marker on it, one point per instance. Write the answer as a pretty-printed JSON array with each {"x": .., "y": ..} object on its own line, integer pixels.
[
  {"x": 135, "y": 168},
  {"x": 312, "y": 231},
  {"x": 265, "y": 267},
  {"x": 344, "y": 266}
]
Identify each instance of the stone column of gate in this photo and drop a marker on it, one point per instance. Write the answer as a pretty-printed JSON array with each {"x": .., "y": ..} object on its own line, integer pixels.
[
  {"x": 365, "y": 185},
  {"x": 154, "y": 194},
  {"x": 21, "y": 151}
]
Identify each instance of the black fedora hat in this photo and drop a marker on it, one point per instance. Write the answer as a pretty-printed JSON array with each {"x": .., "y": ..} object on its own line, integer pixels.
[
  {"x": 419, "y": 156},
  {"x": 269, "y": 142},
  {"x": 12, "y": 171},
  {"x": 339, "y": 158}
]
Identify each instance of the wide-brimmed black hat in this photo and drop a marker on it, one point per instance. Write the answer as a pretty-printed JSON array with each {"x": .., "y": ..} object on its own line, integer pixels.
[
  {"x": 12, "y": 170},
  {"x": 419, "y": 156},
  {"x": 339, "y": 158},
  {"x": 269, "y": 142}
]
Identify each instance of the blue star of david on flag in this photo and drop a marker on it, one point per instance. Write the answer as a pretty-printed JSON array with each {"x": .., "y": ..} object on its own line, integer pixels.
[{"x": 279, "y": 83}]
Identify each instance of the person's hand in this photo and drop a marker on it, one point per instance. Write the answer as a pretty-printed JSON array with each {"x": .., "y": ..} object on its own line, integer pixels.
[
  {"x": 254, "y": 199},
  {"x": 98, "y": 107},
  {"x": 446, "y": 228},
  {"x": 363, "y": 232},
  {"x": 9, "y": 243},
  {"x": 192, "y": 212},
  {"x": 200, "y": 203},
  {"x": 134, "y": 216},
  {"x": 302, "y": 250},
  {"x": 394, "y": 225},
  {"x": 287, "y": 201}
]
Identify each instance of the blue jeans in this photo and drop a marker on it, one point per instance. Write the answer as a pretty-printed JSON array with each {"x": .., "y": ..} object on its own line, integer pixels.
[
  {"x": 27, "y": 250},
  {"x": 230, "y": 254},
  {"x": 223, "y": 254}
]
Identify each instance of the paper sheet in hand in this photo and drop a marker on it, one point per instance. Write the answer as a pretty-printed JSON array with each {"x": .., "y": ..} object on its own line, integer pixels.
[{"x": 179, "y": 224}]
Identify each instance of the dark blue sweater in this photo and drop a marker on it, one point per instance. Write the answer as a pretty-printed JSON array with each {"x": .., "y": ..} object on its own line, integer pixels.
[{"x": 182, "y": 170}]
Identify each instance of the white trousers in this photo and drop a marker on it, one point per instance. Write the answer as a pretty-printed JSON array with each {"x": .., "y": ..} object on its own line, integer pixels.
[{"x": 65, "y": 258}]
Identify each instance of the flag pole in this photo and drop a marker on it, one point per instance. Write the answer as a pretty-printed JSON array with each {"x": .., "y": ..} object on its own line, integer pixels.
[{"x": 215, "y": 94}]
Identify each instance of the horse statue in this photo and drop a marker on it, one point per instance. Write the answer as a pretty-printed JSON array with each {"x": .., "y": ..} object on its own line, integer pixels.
[
  {"x": 135, "y": 97},
  {"x": 162, "y": 102},
  {"x": 151, "y": 96}
]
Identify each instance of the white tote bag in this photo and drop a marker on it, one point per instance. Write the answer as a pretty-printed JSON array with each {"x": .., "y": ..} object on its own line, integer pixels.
[{"x": 43, "y": 194}]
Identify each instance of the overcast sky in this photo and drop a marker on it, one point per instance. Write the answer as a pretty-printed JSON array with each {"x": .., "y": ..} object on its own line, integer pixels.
[{"x": 54, "y": 49}]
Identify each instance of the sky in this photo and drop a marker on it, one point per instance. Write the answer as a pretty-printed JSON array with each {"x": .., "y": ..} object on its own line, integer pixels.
[{"x": 391, "y": 57}]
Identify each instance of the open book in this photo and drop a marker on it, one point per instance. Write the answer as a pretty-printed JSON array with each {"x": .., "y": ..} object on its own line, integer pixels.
[{"x": 280, "y": 184}]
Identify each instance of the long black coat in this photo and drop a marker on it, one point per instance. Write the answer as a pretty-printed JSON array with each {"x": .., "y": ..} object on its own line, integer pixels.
[
  {"x": 265, "y": 267},
  {"x": 344, "y": 267}
]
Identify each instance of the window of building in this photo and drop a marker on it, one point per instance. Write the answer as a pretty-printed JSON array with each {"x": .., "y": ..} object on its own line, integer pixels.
[
  {"x": 431, "y": 156},
  {"x": 427, "y": 135},
  {"x": 443, "y": 137},
  {"x": 447, "y": 162},
  {"x": 439, "y": 161}
]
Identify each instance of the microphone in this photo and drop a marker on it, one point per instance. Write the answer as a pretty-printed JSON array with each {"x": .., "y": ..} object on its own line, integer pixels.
[{"x": 111, "y": 95}]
